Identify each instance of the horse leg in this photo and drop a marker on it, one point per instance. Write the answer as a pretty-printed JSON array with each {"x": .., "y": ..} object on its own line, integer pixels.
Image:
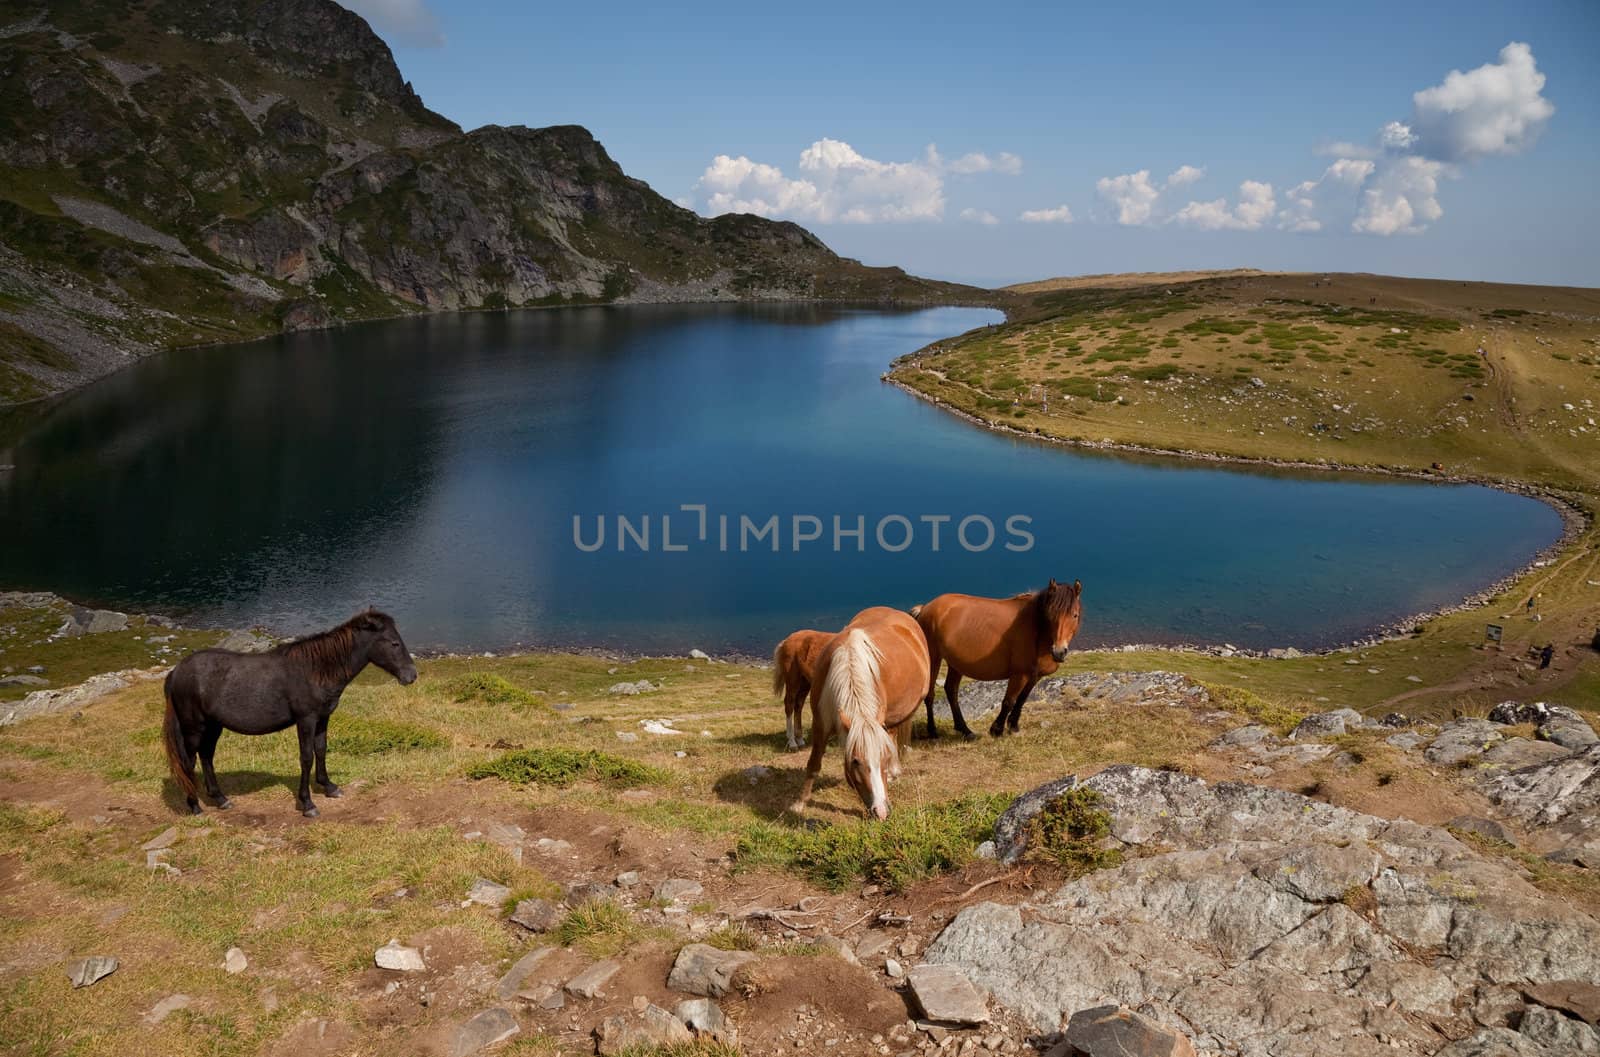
[
  {"x": 208, "y": 749},
  {"x": 952, "y": 682},
  {"x": 1016, "y": 707},
  {"x": 193, "y": 737},
  {"x": 320, "y": 745},
  {"x": 794, "y": 705},
  {"x": 306, "y": 728},
  {"x": 933, "y": 686},
  {"x": 819, "y": 748},
  {"x": 1013, "y": 688}
]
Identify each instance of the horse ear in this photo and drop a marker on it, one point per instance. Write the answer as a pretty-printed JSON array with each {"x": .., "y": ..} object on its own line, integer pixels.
[
  {"x": 1077, "y": 587},
  {"x": 370, "y": 621},
  {"x": 1052, "y": 585}
]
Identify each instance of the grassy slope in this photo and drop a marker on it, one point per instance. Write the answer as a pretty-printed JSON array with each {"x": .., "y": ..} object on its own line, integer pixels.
[{"x": 1356, "y": 370}]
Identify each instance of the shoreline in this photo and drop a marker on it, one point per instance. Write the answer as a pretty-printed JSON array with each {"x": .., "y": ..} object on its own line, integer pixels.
[{"x": 1576, "y": 520}]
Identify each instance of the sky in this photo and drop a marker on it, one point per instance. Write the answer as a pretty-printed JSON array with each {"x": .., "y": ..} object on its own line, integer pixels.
[{"x": 997, "y": 143}]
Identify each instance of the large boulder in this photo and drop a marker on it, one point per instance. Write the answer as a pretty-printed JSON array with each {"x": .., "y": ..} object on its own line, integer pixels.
[
  {"x": 1273, "y": 924},
  {"x": 1460, "y": 740},
  {"x": 1552, "y": 791},
  {"x": 701, "y": 969},
  {"x": 642, "y": 1030},
  {"x": 1114, "y": 689}
]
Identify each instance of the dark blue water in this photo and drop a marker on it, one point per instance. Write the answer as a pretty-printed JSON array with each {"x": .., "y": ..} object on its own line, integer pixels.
[{"x": 434, "y": 467}]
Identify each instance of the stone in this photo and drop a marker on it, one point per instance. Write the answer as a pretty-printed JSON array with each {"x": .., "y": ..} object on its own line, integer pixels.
[
  {"x": 550, "y": 846},
  {"x": 893, "y": 969},
  {"x": 643, "y": 686},
  {"x": 536, "y": 915},
  {"x": 1327, "y": 724},
  {"x": 482, "y": 1031},
  {"x": 837, "y": 946},
  {"x": 92, "y": 622},
  {"x": 23, "y": 680},
  {"x": 85, "y": 972},
  {"x": 1011, "y": 828},
  {"x": 986, "y": 850},
  {"x": 588, "y": 983},
  {"x": 627, "y": 879},
  {"x": 1460, "y": 740},
  {"x": 1274, "y": 923},
  {"x": 946, "y": 996},
  {"x": 873, "y": 944},
  {"x": 244, "y": 642},
  {"x": 1576, "y": 997},
  {"x": 234, "y": 961},
  {"x": 488, "y": 893},
  {"x": 1516, "y": 753},
  {"x": 1243, "y": 737},
  {"x": 589, "y": 892},
  {"x": 645, "y": 1029},
  {"x": 1405, "y": 740},
  {"x": 699, "y": 655},
  {"x": 518, "y": 974},
  {"x": 1110, "y": 1031},
  {"x": 165, "y": 1008},
  {"x": 678, "y": 890},
  {"x": 706, "y": 1019},
  {"x": 704, "y": 970},
  {"x": 399, "y": 959},
  {"x": 756, "y": 773},
  {"x": 1483, "y": 827},
  {"x": 1558, "y": 1033},
  {"x": 1573, "y": 857},
  {"x": 165, "y": 839},
  {"x": 1549, "y": 792}
]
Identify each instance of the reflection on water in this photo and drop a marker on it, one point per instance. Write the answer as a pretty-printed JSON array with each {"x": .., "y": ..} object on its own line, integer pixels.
[{"x": 434, "y": 466}]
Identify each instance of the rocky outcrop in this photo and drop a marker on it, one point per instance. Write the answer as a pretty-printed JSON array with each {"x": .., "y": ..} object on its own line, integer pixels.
[
  {"x": 1263, "y": 922},
  {"x": 1111, "y": 689}
]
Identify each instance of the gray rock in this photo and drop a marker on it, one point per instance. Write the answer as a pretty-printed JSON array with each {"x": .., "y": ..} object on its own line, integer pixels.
[
  {"x": 946, "y": 996},
  {"x": 1558, "y": 1033},
  {"x": 1011, "y": 828},
  {"x": 1108, "y": 689},
  {"x": 165, "y": 839},
  {"x": 1578, "y": 857},
  {"x": 244, "y": 642},
  {"x": 986, "y": 850},
  {"x": 1327, "y": 724},
  {"x": 644, "y": 1029},
  {"x": 165, "y": 1008},
  {"x": 23, "y": 680},
  {"x": 519, "y": 972},
  {"x": 1576, "y": 997},
  {"x": 1516, "y": 753},
  {"x": 588, "y": 983},
  {"x": 1273, "y": 923},
  {"x": 488, "y": 893},
  {"x": 1110, "y": 1031},
  {"x": 706, "y": 1019},
  {"x": 678, "y": 890},
  {"x": 1462, "y": 739},
  {"x": 1549, "y": 792},
  {"x": 92, "y": 622},
  {"x": 589, "y": 892},
  {"x": 628, "y": 878},
  {"x": 643, "y": 686},
  {"x": 85, "y": 972},
  {"x": 536, "y": 915},
  {"x": 1243, "y": 737},
  {"x": 234, "y": 961},
  {"x": 698, "y": 655},
  {"x": 837, "y": 946},
  {"x": 893, "y": 969},
  {"x": 482, "y": 1031},
  {"x": 704, "y": 970},
  {"x": 399, "y": 959},
  {"x": 1405, "y": 740},
  {"x": 1483, "y": 827}
]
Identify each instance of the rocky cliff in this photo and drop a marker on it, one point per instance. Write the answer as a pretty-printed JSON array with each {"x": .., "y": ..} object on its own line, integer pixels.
[{"x": 184, "y": 171}]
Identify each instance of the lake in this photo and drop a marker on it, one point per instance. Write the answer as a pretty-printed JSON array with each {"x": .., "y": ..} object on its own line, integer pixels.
[{"x": 435, "y": 467}]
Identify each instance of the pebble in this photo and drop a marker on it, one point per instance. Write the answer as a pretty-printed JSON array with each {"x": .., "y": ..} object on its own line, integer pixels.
[
  {"x": 400, "y": 959},
  {"x": 235, "y": 962}
]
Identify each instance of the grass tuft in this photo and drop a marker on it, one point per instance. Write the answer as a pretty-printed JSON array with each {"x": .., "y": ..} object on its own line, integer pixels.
[
  {"x": 485, "y": 688},
  {"x": 562, "y": 767},
  {"x": 600, "y": 926},
  {"x": 365, "y": 736},
  {"x": 1068, "y": 832}
]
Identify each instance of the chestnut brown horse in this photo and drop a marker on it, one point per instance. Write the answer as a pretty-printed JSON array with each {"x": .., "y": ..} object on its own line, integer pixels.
[
  {"x": 794, "y": 664},
  {"x": 1020, "y": 639},
  {"x": 869, "y": 681}
]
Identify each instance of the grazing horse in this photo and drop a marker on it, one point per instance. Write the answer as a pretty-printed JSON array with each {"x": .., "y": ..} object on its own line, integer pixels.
[
  {"x": 794, "y": 666},
  {"x": 294, "y": 685},
  {"x": 1018, "y": 639},
  {"x": 869, "y": 681}
]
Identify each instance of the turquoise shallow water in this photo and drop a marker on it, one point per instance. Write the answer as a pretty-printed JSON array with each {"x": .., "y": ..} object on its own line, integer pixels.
[{"x": 434, "y": 467}]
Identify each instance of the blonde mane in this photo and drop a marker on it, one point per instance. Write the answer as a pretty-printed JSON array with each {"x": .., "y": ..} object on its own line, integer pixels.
[{"x": 850, "y": 697}]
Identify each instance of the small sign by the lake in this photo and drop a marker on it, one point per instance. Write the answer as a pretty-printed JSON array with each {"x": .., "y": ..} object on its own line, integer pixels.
[{"x": 1491, "y": 632}]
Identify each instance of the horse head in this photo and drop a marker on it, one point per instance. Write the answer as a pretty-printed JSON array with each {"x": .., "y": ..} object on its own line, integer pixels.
[
  {"x": 387, "y": 650},
  {"x": 1060, "y": 613},
  {"x": 870, "y": 760}
]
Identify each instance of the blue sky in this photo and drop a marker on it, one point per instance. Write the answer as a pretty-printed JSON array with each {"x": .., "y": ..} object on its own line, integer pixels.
[{"x": 1260, "y": 128}]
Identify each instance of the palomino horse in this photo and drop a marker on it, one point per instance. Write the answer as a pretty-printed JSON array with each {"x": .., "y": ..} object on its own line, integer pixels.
[
  {"x": 1019, "y": 639},
  {"x": 794, "y": 666},
  {"x": 295, "y": 685},
  {"x": 869, "y": 680}
]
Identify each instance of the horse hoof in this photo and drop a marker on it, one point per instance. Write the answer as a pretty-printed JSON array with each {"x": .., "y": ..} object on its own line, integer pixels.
[
  {"x": 997, "y": 731},
  {"x": 311, "y": 812},
  {"x": 933, "y": 732},
  {"x": 223, "y": 803},
  {"x": 1012, "y": 727},
  {"x": 332, "y": 791},
  {"x": 194, "y": 807},
  {"x": 968, "y": 735}
]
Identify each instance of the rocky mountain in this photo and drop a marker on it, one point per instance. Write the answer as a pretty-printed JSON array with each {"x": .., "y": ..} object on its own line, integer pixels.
[{"x": 185, "y": 171}]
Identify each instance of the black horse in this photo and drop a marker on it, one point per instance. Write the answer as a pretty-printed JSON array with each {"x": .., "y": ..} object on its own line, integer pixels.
[{"x": 297, "y": 684}]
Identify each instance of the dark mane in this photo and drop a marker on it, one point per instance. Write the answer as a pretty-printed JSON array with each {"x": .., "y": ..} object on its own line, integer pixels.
[
  {"x": 329, "y": 655},
  {"x": 1052, "y": 602}
]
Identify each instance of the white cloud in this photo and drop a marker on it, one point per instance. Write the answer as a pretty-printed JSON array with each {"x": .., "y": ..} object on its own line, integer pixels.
[
  {"x": 1185, "y": 174},
  {"x": 402, "y": 21},
  {"x": 1344, "y": 149},
  {"x": 1401, "y": 199},
  {"x": 1005, "y": 163},
  {"x": 1132, "y": 193},
  {"x": 838, "y": 185},
  {"x": 1306, "y": 208},
  {"x": 980, "y": 216},
  {"x": 1495, "y": 109},
  {"x": 1058, "y": 215},
  {"x": 1256, "y": 204}
]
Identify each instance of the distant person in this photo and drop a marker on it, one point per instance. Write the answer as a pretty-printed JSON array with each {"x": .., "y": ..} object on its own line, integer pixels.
[{"x": 1547, "y": 655}]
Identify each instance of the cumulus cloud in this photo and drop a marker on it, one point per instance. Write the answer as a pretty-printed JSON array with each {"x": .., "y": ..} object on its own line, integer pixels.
[
  {"x": 1401, "y": 199},
  {"x": 980, "y": 216},
  {"x": 401, "y": 21},
  {"x": 1185, "y": 174},
  {"x": 1497, "y": 108},
  {"x": 1058, "y": 215},
  {"x": 835, "y": 183},
  {"x": 1138, "y": 200},
  {"x": 1308, "y": 202},
  {"x": 1255, "y": 206}
]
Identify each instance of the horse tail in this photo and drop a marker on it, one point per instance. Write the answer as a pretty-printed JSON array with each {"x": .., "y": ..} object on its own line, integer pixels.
[
  {"x": 778, "y": 671},
  {"x": 172, "y": 738},
  {"x": 850, "y": 696}
]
